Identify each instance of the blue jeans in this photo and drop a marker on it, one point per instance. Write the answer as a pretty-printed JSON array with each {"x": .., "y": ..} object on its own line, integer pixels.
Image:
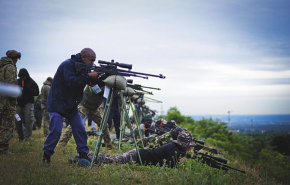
[
  {"x": 55, "y": 130},
  {"x": 93, "y": 124}
]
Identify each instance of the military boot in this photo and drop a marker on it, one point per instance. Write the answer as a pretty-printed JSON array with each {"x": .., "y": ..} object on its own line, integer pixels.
[
  {"x": 46, "y": 160},
  {"x": 110, "y": 146}
]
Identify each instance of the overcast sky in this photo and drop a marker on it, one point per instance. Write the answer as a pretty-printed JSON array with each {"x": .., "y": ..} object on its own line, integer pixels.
[{"x": 217, "y": 55}]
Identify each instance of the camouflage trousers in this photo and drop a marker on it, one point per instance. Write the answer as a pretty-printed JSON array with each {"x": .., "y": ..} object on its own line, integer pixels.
[
  {"x": 96, "y": 116},
  {"x": 46, "y": 123},
  {"x": 6, "y": 129},
  {"x": 120, "y": 159}
]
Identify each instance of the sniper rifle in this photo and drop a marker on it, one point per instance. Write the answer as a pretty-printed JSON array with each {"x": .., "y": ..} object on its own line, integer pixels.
[
  {"x": 111, "y": 68},
  {"x": 212, "y": 161},
  {"x": 140, "y": 87}
]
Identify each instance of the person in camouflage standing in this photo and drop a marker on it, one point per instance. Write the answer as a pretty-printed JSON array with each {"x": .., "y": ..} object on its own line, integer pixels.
[
  {"x": 8, "y": 74},
  {"x": 38, "y": 113},
  {"x": 44, "y": 94},
  {"x": 90, "y": 105}
]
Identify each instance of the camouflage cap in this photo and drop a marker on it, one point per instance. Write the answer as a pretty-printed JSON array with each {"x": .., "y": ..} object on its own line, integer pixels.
[
  {"x": 184, "y": 140},
  {"x": 13, "y": 54},
  {"x": 176, "y": 131}
]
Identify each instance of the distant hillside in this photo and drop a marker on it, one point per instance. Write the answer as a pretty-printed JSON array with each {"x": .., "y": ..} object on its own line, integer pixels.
[{"x": 252, "y": 122}]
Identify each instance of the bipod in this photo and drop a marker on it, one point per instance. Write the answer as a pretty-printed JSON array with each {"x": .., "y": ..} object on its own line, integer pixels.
[
  {"x": 126, "y": 116},
  {"x": 136, "y": 120},
  {"x": 103, "y": 125},
  {"x": 124, "y": 110},
  {"x": 122, "y": 125}
]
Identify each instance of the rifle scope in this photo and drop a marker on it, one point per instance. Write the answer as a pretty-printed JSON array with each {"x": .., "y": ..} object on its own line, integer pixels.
[
  {"x": 218, "y": 159},
  {"x": 198, "y": 141},
  {"x": 112, "y": 63}
]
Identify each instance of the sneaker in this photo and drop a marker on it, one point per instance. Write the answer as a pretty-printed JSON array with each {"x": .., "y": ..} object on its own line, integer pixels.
[{"x": 84, "y": 160}]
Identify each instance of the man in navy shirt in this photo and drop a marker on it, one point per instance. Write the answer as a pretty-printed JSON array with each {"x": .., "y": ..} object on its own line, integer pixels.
[{"x": 65, "y": 94}]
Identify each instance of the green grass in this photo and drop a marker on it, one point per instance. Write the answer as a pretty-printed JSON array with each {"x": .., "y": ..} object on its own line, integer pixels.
[{"x": 25, "y": 167}]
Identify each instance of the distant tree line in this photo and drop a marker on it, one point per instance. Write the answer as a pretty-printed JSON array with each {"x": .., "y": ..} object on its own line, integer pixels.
[{"x": 269, "y": 151}]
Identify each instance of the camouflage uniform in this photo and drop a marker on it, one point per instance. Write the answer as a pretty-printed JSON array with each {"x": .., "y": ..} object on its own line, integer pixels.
[
  {"x": 169, "y": 153},
  {"x": 46, "y": 122},
  {"x": 96, "y": 116},
  {"x": 120, "y": 158},
  {"x": 44, "y": 94},
  {"x": 156, "y": 140},
  {"x": 7, "y": 104}
]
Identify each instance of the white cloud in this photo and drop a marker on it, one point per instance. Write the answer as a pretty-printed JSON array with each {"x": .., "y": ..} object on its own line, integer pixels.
[{"x": 210, "y": 63}]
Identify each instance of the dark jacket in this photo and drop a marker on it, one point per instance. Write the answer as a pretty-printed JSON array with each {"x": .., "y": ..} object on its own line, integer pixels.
[
  {"x": 67, "y": 88},
  {"x": 169, "y": 152},
  {"x": 37, "y": 110},
  {"x": 29, "y": 88}
]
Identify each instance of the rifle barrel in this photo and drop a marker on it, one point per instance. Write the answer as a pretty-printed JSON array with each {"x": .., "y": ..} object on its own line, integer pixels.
[
  {"x": 145, "y": 74},
  {"x": 151, "y": 88},
  {"x": 226, "y": 166}
]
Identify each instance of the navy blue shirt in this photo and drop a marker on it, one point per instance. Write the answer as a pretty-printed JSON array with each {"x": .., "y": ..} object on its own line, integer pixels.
[{"x": 67, "y": 87}]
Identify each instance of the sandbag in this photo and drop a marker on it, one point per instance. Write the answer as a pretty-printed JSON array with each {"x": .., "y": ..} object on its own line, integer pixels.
[
  {"x": 141, "y": 101},
  {"x": 128, "y": 92},
  {"x": 116, "y": 81},
  {"x": 134, "y": 97}
]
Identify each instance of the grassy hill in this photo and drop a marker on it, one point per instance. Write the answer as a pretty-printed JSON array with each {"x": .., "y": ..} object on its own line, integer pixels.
[{"x": 25, "y": 167}]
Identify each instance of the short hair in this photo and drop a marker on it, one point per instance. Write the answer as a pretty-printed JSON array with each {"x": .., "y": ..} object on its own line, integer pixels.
[{"x": 87, "y": 51}]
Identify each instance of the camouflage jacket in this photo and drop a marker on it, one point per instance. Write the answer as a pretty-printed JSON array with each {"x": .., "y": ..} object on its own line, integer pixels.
[
  {"x": 44, "y": 93},
  {"x": 155, "y": 140},
  {"x": 8, "y": 74}
]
